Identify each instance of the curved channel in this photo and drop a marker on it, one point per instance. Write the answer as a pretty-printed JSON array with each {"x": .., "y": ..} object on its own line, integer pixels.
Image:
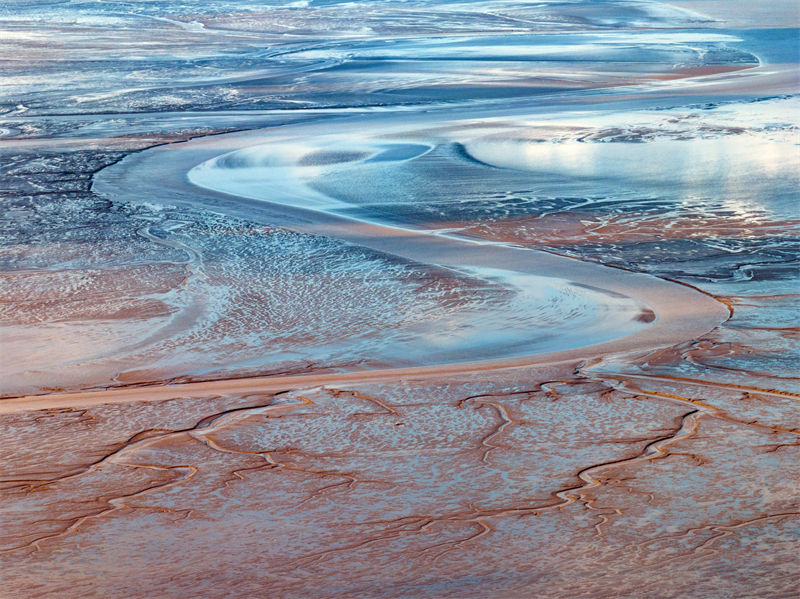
[{"x": 552, "y": 307}]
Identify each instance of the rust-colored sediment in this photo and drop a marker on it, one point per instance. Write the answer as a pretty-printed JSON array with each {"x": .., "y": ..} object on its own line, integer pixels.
[
  {"x": 660, "y": 465},
  {"x": 565, "y": 468}
]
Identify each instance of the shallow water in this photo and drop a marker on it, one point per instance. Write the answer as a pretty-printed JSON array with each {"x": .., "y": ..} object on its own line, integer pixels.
[{"x": 637, "y": 135}]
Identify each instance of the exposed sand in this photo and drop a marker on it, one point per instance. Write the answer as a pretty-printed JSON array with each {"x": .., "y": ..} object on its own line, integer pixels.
[
  {"x": 656, "y": 464},
  {"x": 160, "y": 173}
]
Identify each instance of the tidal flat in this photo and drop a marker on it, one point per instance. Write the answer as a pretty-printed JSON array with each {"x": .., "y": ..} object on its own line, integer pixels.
[{"x": 399, "y": 299}]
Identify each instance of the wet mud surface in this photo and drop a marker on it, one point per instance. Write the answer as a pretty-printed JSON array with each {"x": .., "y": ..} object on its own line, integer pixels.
[{"x": 661, "y": 472}]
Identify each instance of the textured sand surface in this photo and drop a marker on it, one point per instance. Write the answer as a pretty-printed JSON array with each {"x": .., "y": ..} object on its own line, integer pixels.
[{"x": 379, "y": 299}]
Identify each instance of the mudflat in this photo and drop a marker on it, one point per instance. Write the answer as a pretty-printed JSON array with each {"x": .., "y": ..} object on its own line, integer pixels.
[{"x": 377, "y": 299}]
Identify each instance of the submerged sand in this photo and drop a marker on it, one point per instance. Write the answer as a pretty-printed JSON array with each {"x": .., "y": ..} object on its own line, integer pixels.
[{"x": 167, "y": 432}]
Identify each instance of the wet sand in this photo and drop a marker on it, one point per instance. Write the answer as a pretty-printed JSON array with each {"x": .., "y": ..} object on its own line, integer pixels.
[{"x": 222, "y": 396}]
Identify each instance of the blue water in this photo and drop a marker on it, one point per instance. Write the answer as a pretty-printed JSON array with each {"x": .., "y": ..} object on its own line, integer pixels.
[{"x": 483, "y": 119}]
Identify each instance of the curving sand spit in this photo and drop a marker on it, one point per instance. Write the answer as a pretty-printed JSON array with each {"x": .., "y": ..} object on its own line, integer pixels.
[
  {"x": 675, "y": 312},
  {"x": 652, "y": 453}
]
